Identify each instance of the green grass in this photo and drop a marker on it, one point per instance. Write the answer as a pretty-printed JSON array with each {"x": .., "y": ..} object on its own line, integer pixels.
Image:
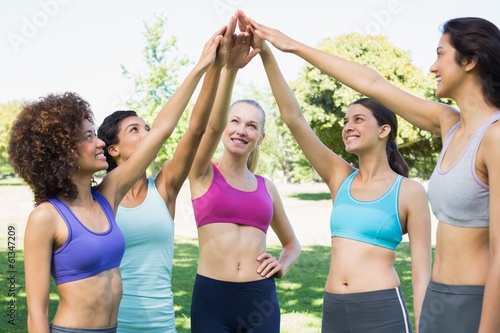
[
  {"x": 11, "y": 181},
  {"x": 312, "y": 196},
  {"x": 13, "y": 318},
  {"x": 300, "y": 292}
]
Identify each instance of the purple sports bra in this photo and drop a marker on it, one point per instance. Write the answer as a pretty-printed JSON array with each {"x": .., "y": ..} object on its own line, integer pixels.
[
  {"x": 222, "y": 203},
  {"x": 86, "y": 253}
]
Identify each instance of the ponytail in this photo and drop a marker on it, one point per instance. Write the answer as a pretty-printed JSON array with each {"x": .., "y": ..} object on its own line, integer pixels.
[{"x": 396, "y": 160}]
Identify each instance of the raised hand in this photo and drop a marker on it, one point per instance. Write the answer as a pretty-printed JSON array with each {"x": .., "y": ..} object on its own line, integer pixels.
[
  {"x": 226, "y": 39},
  {"x": 274, "y": 36},
  {"x": 210, "y": 51},
  {"x": 245, "y": 24},
  {"x": 240, "y": 52}
]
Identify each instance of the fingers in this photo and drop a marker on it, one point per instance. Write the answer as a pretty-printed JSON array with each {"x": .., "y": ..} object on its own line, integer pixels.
[
  {"x": 231, "y": 26},
  {"x": 253, "y": 53},
  {"x": 269, "y": 266},
  {"x": 242, "y": 20},
  {"x": 220, "y": 32}
]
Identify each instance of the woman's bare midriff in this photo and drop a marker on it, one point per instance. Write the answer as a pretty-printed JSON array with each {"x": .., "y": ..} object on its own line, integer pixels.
[
  {"x": 462, "y": 255},
  {"x": 90, "y": 303},
  {"x": 360, "y": 267},
  {"x": 228, "y": 252}
]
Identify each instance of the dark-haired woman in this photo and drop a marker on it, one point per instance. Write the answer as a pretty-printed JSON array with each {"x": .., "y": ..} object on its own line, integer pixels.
[
  {"x": 464, "y": 190},
  {"x": 147, "y": 212},
  {"x": 374, "y": 205}
]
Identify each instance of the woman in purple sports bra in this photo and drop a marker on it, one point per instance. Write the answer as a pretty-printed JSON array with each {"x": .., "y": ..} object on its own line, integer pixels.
[
  {"x": 72, "y": 234},
  {"x": 463, "y": 295},
  {"x": 234, "y": 289}
]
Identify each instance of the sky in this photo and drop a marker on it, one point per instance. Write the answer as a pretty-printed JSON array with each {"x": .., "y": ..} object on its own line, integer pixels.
[{"x": 53, "y": 46}]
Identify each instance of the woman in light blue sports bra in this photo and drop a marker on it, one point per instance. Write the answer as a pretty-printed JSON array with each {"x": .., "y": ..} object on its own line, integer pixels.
[
  {"x": 463, "y": 295},
  {"x": 146, "y": 214},
  {"x": 374, "y": 205}
]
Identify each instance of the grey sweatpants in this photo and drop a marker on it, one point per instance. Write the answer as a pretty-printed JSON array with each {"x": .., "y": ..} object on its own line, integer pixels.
[
  {"x": 60, "y": 329},
  {"x": 451, "y": 308},
  {"x": 380, "y": 311}
]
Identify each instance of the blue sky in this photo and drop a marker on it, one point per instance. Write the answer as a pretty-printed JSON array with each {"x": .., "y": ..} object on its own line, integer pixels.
[{"x": 76, "y": 45}]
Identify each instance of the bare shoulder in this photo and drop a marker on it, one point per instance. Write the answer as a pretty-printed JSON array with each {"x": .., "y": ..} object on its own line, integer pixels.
[
  {"x": 412, "y": 190},
  {"x": 43, "y": 213},
  {"x": 43, "y": 220},
  {"x": 491, "y": 137},
  {"x": 271, "y": 188},
  {"x": 414, "y": 185}
]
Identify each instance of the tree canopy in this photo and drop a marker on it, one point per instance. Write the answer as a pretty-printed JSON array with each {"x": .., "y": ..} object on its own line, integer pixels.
[
  {"x": 158, "y": 83},
  {"x": 324, "y": 100},
  {"x": 8, "y": 113}
]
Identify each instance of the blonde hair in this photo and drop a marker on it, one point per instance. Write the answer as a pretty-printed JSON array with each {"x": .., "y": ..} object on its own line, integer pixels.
[{"x": 253, "y": 158}]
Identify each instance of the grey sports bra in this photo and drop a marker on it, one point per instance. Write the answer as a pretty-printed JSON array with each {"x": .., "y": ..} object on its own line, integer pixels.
[{"x": 457, "y": 195}]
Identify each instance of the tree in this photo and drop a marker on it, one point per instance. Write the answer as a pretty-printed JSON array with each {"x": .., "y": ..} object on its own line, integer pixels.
[
  {"x": 160, "y": 81},
  {"x": 8, "y": 113},
  {"x": 324, "y": 99}
]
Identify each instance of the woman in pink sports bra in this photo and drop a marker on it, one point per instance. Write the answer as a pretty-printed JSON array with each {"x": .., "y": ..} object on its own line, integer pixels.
[
  {"x": 234, "y": 289},
  {"x": 54, "y": 148},
  {"x": 463, "y": 295}
]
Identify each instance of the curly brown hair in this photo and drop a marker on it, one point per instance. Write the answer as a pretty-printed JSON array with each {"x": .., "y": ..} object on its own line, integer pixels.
[{"x": 45, "y": 141}]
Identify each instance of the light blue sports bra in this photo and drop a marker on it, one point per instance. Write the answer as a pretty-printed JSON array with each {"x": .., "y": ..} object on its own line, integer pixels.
[{"x": 374, "y": 222}]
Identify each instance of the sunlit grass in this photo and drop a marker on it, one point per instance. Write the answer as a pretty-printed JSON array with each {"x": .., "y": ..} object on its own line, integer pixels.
[{"x": 300, "y": 292}]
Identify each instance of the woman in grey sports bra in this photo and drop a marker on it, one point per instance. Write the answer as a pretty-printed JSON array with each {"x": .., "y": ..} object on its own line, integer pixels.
[
  {"x": 373, "y": 207},
  {"x": 466, "y": 271}
]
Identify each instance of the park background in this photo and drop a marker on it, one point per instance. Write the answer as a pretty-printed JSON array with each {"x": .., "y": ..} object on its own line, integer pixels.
[{"x": 101, "y": 51}]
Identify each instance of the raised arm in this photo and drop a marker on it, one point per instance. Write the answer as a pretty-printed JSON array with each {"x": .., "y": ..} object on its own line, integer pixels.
[
  {"x": 175, "y": 172},
  {"x": 239, "y": 56},
  {"x": 331, "y": 168},
  {"x": 116, "y": 184},
  {"x": 434, "y": 117}
]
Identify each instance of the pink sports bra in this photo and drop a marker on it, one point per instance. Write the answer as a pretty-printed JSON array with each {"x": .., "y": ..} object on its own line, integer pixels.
[{"x": 222, "y": 203}]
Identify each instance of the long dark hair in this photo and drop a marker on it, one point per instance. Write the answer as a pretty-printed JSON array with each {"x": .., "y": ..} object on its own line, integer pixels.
[
  {"x": 384, "y": 116},
  {"x": 108, "y": 132},
  {"x": 479, "y": 39}
]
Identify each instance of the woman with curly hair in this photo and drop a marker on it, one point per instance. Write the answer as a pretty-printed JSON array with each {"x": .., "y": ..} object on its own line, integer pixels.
[{"x": 72, "y": 234}]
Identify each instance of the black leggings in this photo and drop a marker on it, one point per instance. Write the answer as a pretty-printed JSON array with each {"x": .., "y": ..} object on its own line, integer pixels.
[{"x": 234, "y": 307}]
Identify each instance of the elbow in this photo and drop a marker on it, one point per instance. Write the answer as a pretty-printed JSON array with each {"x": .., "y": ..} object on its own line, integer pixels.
[
  {"x": 296, "y": 249},
  {"x": 213, "y": 130},
  {"x": 293, "y": 118},
  {"x": 196, "y": 132}
]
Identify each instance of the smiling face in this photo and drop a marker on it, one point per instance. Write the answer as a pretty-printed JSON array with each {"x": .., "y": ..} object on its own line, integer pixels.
[
  {"x": 91, "y": 153},
  {"x": 132, "y": 131},
  {"x": 244, "y": 130},
  {"x": 361, "y": 131},
  {"x": 449, "y": 74}
]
